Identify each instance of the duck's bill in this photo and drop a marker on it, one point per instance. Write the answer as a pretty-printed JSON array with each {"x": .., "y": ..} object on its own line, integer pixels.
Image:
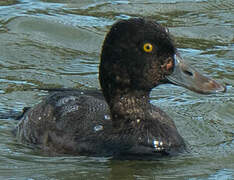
[{"x": 186, "y": 76}]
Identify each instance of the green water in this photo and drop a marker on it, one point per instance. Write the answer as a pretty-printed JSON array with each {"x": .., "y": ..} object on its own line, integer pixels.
[{"x": 56, "y": 43}]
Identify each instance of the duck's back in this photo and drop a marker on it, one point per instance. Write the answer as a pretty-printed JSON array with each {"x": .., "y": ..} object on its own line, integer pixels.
[{"x": 62, "y": 117}]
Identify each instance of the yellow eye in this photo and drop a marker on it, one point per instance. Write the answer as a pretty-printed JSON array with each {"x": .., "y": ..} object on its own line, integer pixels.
[{"x": 148, "y": 47}]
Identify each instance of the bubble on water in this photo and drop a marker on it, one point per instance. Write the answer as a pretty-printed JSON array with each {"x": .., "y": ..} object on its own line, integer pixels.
[
  {"x": 158, "y": 145},
  {"x": 107, "y": 117},
  {"x": 98, "y": 128}
]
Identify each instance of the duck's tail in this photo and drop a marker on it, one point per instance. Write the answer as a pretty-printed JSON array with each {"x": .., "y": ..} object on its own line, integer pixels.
[{"x": 12, "y": 114}]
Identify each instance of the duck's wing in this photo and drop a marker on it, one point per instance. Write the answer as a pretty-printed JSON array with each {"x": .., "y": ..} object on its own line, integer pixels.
[
  {"x": 93, "y": 92},
  {"x": 62, "y": 118}
]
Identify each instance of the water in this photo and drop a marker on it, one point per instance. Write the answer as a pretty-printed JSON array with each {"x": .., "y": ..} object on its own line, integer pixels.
[{"x": 55, "y": 43}]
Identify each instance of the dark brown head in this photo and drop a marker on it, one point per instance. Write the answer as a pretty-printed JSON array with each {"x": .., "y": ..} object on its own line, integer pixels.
[{"x": 139, "y": 54}]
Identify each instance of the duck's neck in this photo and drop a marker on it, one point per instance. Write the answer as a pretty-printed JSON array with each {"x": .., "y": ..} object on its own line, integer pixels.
[{"x": 128, "y": 110}]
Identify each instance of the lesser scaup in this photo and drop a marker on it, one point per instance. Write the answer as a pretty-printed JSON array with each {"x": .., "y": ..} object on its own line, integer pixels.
[{"x": 137, "y": 55}]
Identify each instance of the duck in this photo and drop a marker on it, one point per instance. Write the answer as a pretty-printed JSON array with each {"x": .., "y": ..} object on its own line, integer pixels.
[{"x": 118, "y": 121}]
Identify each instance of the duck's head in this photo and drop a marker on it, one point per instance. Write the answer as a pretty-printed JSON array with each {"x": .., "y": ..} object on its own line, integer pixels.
[{"x": 139, "y": 54}]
